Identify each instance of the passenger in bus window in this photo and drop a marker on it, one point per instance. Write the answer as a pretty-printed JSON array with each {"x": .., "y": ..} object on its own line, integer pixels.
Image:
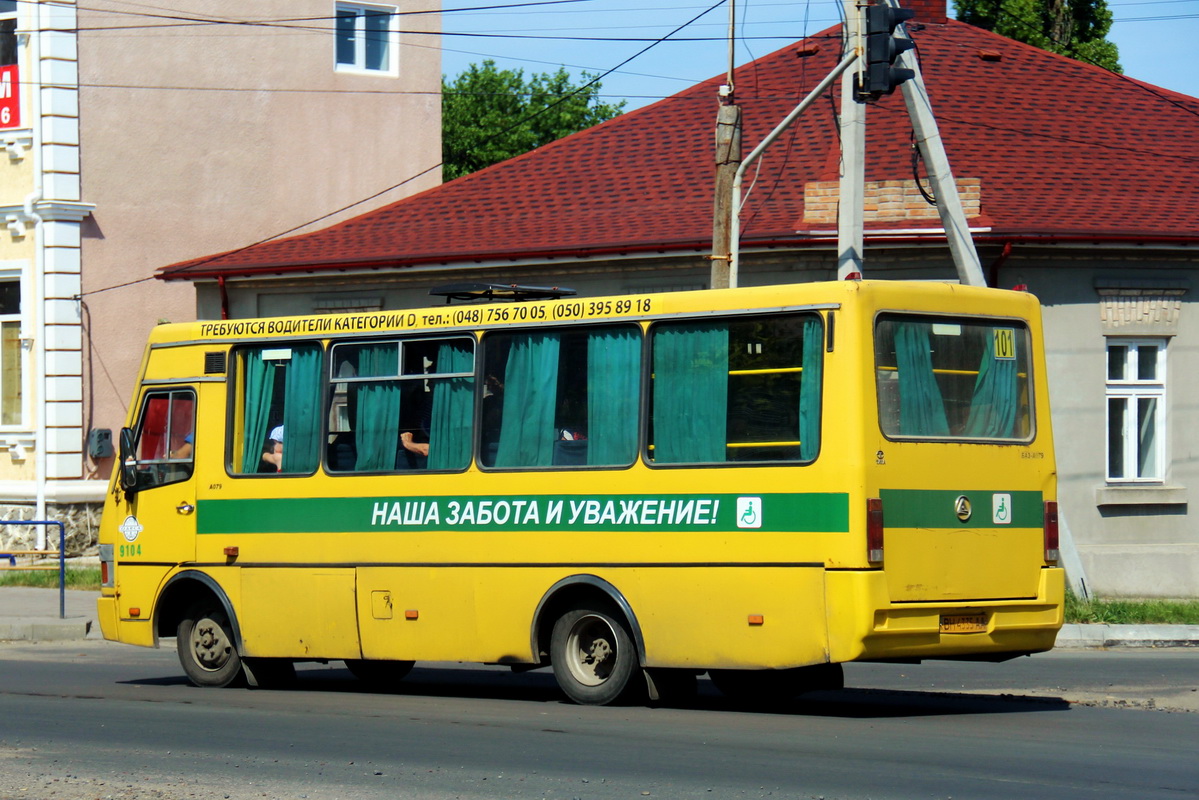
[
  {"x": 412, "y": 446},
  {"x": 492, "y": 418},
  {"x": 272, "y": 457}
]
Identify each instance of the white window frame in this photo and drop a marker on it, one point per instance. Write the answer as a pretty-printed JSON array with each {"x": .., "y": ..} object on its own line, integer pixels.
[
  {"x": 361, "y": 10},
  {"x": 1131, "y": 390}
]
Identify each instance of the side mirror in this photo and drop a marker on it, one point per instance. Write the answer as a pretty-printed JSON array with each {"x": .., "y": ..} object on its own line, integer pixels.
[{"x": 128, "y": 462}]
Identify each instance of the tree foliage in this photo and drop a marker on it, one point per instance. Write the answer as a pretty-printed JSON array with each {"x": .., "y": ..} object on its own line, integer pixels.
[
  {"x": 489, "y": 115},
  {"x": 1074, "y": 28}
]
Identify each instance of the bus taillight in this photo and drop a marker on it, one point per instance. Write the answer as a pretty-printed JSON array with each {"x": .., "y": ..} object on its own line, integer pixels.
[
  {"x": 1052, "y": 552},
  {"x": 874, "y": 530}
]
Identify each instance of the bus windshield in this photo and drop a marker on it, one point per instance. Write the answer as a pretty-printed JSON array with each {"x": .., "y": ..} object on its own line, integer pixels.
[{"x": 952, "y": 378}]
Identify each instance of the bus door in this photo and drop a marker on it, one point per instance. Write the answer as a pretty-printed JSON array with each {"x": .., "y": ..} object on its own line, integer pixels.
[{"x": 156, "y": 502}]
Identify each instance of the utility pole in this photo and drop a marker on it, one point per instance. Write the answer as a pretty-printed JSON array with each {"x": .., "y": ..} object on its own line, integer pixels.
[
  {"x": 850, "y": 209},
  {"x": 888, "y": 65},
  {"x": 940, "y": 176},
  {"x": 728, "y": 159}
]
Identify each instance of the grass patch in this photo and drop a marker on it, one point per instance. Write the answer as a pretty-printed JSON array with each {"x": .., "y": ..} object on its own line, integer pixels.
[
  {"x": 86, "y": 578},
  {"x": 1132, "y": 612}
]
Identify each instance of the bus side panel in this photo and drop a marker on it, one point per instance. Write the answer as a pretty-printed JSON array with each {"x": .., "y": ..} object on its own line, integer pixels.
[
  {"x": 728, "y": 617},
  {"x": 298, "y": 613},
  {"x": 696, "y": 617},
  {"x": 431, "y": 614}
]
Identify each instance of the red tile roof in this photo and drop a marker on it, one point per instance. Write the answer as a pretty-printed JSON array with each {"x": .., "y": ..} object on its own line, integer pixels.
[{"x": 1063, "y": 150}]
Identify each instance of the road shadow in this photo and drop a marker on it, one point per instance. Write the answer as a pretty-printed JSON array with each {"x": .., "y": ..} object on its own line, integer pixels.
[{"x": 538, "y": 686}]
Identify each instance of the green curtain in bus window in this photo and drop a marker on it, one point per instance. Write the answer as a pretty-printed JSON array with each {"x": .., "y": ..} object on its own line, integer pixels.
[
  {"x": 301, "y": 410},
  {"x": 613, "y": 368},
  {"x": 691, "y": 389},
  {"x": 810, "y": 388},
  {"x": 453, "y": 398},
  {"x": 993, "y": 407},
  {"x": 377, "y": 428},
  {"x": 527, "y": 431},
  {"x": 921, "y": 408},
  {"x": 259, "y": 379}
]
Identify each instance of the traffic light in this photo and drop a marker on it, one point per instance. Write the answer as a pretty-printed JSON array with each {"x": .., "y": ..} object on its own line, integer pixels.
[{"x": 882, "y": 48}]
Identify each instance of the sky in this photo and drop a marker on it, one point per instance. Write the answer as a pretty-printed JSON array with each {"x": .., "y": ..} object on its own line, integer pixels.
[{"x": 1156, "y": 39}]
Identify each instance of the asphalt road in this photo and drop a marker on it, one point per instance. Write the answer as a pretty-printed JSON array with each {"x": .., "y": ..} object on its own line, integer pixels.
[{"x": 98, "y": 720}]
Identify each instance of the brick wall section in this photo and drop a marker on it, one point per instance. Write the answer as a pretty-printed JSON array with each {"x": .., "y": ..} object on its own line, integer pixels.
[{"x": 894, "y": 201}]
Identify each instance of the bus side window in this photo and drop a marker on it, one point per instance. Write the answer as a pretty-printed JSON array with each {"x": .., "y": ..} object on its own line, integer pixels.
[
  {"x": 561, "y": 398},
  {"x": 745, "y": 390},
  {"x": 278, "y": 425},
  {"x": 165, "y": 438},
  {"x": 401, "y": 405}
]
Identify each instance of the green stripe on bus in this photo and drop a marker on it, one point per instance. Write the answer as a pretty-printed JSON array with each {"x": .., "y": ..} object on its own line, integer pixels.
[
  {"x": 812, "y": 512},
  {"x": 929, "y": 508}
]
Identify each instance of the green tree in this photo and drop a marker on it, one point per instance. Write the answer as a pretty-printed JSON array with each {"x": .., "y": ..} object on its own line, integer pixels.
[
  {"x": 1074, "y": 28},
  {"x": 489, "y": 115}
]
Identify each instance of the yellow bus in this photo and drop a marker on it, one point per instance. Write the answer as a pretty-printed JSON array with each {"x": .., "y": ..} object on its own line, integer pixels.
[{"x": 760, "y": 483}]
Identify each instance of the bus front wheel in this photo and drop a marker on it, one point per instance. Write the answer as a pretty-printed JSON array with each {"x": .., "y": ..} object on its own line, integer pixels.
[
  {"x": 206, "y": 647},
  {"x": 593, "y": 656}
]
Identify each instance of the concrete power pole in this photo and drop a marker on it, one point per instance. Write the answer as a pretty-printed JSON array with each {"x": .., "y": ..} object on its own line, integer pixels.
[
  {"x": 940, "y": 176},
  {"x": 851, "y": 208}
]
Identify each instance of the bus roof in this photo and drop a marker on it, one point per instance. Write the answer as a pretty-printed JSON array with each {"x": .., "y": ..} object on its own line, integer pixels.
[{"x": 929, "y": 296}]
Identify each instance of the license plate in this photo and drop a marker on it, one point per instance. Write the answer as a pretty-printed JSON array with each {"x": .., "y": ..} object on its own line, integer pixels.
[{"x": 963, "y": 623}]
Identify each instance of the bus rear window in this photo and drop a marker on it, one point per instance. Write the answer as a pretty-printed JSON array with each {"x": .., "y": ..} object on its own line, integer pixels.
[{"x": 952, "y": 378}]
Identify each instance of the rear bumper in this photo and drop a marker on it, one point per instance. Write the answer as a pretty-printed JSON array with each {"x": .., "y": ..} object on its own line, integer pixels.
[{"x": 877, "y": 629}]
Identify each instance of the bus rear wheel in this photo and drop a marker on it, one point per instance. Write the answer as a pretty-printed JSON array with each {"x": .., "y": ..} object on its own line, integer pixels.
[
  {"x": 593, "y": 657},
  {"x": 206, "y": 648}
]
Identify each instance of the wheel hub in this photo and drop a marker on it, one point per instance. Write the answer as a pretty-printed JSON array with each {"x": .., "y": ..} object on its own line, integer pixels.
[
  {"x": 209, "y": 646},
  {"x": 594, "y": 644}
]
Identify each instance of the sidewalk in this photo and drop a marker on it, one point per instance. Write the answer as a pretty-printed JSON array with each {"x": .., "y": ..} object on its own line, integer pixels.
[
  {"x": 32, "y": 615},
  {"x": 28, "y": 614}
]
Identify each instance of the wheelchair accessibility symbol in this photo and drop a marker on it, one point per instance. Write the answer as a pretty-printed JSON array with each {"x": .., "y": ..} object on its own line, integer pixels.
[
  {"x": 1001, "y": 509},
  {"x": 749, "y": 512}
]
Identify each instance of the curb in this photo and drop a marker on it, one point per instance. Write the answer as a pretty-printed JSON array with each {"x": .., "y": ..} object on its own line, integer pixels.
[
  {"x": 1104, "y": 636},
  {"x": 48, "y": 630}
]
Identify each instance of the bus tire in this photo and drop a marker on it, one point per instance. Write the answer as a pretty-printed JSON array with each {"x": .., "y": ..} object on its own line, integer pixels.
[
  {"x": 379, "y": 674},
  {"x": 206, "y": 648},
  {"x": 772, "y": 685},
  {"x": 593, "y": 657}
]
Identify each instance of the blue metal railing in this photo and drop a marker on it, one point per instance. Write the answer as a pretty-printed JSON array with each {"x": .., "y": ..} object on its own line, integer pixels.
[{"x": 62, "y": 557}]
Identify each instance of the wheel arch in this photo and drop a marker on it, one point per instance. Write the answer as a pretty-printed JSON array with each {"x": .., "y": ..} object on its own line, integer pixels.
[
  {"x": 572, "y": 592},
  {"x": 180, "y": 592}
]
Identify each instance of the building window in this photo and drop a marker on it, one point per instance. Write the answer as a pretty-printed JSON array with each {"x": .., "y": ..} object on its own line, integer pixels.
[
  {"x": 366, "y": 38},
  {"x": 1136, "y": 401},
  {"x": 11, "y": 356},
  {"x": 8, "y": 32}
]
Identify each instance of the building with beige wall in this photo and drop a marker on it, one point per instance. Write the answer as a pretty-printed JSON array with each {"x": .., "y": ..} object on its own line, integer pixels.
[{"x": 137, "y": 137}]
